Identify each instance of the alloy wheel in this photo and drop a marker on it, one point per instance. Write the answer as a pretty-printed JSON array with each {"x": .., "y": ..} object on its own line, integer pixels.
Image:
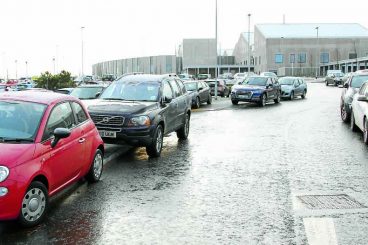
[
  {"x": 365, "y": 132},
  {"x": 159, "y": 140}
]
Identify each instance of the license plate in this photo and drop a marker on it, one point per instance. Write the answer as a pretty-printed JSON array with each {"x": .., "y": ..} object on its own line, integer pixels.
[
  {"x": 108, "y": 134},
  {"x": 243, "y": 96}
]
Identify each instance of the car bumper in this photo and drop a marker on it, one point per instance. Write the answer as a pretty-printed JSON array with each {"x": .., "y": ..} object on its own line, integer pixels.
[
  {"x": 252, "y": 98},
  {"x": 285, "y": 94},
  {"x": 10, "y": 203},
  {"x": 131, "y": 136}
]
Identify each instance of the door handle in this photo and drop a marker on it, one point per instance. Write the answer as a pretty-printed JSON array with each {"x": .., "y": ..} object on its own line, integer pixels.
[{"x": 81, "y": 140}]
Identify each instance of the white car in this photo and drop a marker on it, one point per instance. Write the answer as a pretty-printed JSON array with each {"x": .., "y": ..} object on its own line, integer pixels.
[{"x": 359, "y": 112}]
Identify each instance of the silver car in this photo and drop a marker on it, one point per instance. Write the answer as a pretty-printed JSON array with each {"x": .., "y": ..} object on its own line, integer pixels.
[
  {"x": 292, "y": 87},
  {"x": 359, "y": 112}
]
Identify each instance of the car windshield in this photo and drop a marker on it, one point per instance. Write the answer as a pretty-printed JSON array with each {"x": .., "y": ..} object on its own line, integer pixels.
[
  {"x": 84, "y": 93},
  {"x": 260, "y": 81},
  {"x": 357, "y": 81},
  {"x": 268, "y": 74},
  {"x": 132, "y": 90},
  {"x": 19, "y": 120},
  {"x": 191, "y": 86},
  {"x": 286, "y": 81}
]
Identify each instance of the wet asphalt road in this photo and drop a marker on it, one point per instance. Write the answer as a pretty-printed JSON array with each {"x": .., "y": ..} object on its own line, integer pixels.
[{"x": 234, "y": 181}]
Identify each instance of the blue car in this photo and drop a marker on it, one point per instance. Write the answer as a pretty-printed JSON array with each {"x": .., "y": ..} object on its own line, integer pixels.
[
  {"x": 292, "y": 87},
  {"x": 256, "y": 89}
]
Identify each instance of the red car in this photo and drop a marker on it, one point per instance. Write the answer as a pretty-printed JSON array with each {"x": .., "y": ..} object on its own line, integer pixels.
[{"x": 47, "y": 142}]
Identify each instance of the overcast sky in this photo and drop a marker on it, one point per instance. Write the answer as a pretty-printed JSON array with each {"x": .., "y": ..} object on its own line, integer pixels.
[{"x": 36, "y": 31}]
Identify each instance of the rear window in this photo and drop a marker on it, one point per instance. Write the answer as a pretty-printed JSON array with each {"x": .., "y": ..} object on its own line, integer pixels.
[{"x": 357, "y": 81}]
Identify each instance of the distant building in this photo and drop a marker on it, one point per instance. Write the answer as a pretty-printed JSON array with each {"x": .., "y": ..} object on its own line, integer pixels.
[{"x": 302, "y": 49}]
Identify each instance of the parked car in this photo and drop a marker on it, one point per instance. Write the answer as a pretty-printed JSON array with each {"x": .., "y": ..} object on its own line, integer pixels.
[
  {"x": 108, "y": 77},
  {"x": 346, "y": 77},
  {"x": 359, "y": 112},
  {"x": 139, "y": 110},
  {"x": 292, "y": 87},
  {"x": 64, "y": 90},
  {"x": 334, "y": 77},
  {"x": 226, "y": 76},
  {"x": 258, "y": 90},
  {"x": 48, "y": 141},
  {"x": 199, "y": 91},
  {"x": 222, "y": 89},
  {"x": 269, "y": 74},
  {"x": 88, "y": 92},
  {"x": 351, "y": 87},
  {"x": 186, "y": 77},
  {"x": 203, "y": 76},
  {"x": 243, "y": 75}
]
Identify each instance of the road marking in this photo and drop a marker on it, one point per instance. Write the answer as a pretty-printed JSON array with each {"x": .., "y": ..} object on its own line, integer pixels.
[{"x": 320, "y": 231}]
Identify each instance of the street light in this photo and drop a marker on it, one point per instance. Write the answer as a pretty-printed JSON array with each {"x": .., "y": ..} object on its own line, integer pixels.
[
  {"x": 26, "y": 69},
  {"x": 249, "y": 43},
  {"x": 82, "y": 28},
  {"x": 317, "y": 49},
  {"x": 53, "y": 61},
  {"x": 217, "y": 65},
  {"x": 16, "y": 69}
]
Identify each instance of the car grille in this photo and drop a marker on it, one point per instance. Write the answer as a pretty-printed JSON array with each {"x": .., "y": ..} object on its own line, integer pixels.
[
  {"x": 244, "y": 93},
  {"x": 102, "y": 120}
]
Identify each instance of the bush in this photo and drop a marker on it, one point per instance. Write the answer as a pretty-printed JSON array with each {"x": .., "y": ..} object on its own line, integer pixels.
[{"x": 54, "y": 82}]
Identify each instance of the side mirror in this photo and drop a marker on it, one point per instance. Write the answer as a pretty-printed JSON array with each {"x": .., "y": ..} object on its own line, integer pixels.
[
  {"x": 59, "y": 133},
  {"x": 98, "y": 94},
  {"x": 167, "y": 100},
  {"x": 200, "y": 89},
  {"x": 362, "y": 98},
  {"x": 346, "y": 85}
]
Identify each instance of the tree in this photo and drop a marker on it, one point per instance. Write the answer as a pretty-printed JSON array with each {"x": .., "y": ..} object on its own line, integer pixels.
[{"x": 54, "y": 82}]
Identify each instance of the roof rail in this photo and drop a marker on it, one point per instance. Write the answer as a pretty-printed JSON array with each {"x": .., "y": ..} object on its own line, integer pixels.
[{"x": 129, "y": 74}]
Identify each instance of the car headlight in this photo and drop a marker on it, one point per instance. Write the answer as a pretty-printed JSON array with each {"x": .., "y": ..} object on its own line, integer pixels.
[
  {"x": 4, "y": 173},
  {"x": 139, "y": 121}
]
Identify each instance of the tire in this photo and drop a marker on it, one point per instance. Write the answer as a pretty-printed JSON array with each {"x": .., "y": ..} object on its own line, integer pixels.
[
  {"x": 183, "y": 132},
  {"x": 34, "y": 205},
  {"x": 304, "y": 94},
  {"x": 365, "y": 131},
  {"x": 353, "y": 126},
  {"x": 235, "y": 102},
  {"x": 223, "y": 94},
  {"x": 326, "y": 83},
  {"x": 292, "y": 95},
  {"x": 209, "y": 100},
  {"x": 197, "y": 103},
  {"x": 96, "y": 169},
  {"x": 278, "y": 99},
  {"x": 345, "y": 117},
  {"x": 263, "y": 101},
  {"x": 155, "y": 148}
]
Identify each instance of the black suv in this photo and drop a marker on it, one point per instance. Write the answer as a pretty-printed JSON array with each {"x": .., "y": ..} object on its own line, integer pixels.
[
  {"x": 351, "y": 87},
  {"x": 140, "y": 109}
]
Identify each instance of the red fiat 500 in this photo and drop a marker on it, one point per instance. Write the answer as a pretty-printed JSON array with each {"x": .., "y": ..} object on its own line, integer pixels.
[{"x": 47, "y": 141}]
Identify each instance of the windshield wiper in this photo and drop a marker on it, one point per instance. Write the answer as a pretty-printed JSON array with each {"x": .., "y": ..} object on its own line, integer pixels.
[
  {"x": 113, "y": 99},
  {"x": 4, "y": 139}
]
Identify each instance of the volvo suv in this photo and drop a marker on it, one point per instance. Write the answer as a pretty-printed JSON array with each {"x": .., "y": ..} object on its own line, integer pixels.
[{"x": 140, "y": 109}]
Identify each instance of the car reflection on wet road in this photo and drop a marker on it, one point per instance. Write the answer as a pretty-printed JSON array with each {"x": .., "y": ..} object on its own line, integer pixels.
[{"x": 234, "y": 181}]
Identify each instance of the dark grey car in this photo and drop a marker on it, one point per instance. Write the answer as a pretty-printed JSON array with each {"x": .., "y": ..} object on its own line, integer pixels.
[
  {"x": 351, "y": 87},
  {"x": 199, "y": 91}
]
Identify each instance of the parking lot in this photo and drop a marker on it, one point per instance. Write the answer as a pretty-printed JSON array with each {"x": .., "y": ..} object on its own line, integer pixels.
[{"x": 240, "y": 178}]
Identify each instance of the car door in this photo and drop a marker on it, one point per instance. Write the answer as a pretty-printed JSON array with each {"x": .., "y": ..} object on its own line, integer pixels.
[
  {"x": 181, "y": 103},
  {"x": 296, "y": 87},
  {"x": 171, "y": 108},
  {"x": 205, "y": 91},
  {"x": 270, "y": 90},
  {"x": 63, "y": 161},
  {"x": 360, "y": 106},
  {"x": 200, "y": 90}
]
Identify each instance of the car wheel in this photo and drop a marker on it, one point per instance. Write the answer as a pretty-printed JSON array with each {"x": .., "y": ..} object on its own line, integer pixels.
[
  {"x": 326, "y": 83},
  {"x": 235, "y": 102},
  {"x": 209, "y": 100},
  {"x": 353, "y": 127},
  {"x": 365, "y": 131},
  {"x": 154, "y": 149},
  {"x": 223, "y": 94},
  {"x": 263, "y": 101},
  {"x": 197, "y": 103},
  {"x": 278, "y": 99},
  {"x": 183, "y": 132},
  {"x": 344, "y": 114},
  {"x": 34, "y": 205},
  {"x": 292, "y": 95},
  {"x": 95, "y": 171},
  {"x": 304, "y": 94}
]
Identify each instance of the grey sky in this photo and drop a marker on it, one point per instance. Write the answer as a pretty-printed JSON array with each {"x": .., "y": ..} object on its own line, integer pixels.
[{"x": 38, "y": 30}]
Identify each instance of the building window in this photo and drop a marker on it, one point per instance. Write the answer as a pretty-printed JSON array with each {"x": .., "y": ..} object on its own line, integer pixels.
[
  {"x": 279, "y": 58},
  {"x": 292, "y": 58},
  {"x": 302, "y": 58},
  {"x": 353, "y": 55},
  {"x": 325, "y": 58}
]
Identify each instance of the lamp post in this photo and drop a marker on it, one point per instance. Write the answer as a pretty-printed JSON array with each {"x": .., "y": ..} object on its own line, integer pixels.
[
  {"x": 317, "y": 49},
  {"x": 26, "y": 69},
  {"x": 249, "y": 43},
  {"x": 16, "y": 69},
  {"x": 217, "y": 66},
  {"x": 82, "y": 28},
  {"x": 53, "y": 62}
]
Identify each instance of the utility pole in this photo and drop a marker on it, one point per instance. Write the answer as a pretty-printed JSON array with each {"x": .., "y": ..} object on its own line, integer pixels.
[
  {"x": 217, "y": 66},
  {"x": 82, "y": 28},
  {"x": 16, "y": 69},
  {"x": 317, "y": 49},
  {"x": 26, "y": 69},
  {"x": 249, "y": 43}
]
